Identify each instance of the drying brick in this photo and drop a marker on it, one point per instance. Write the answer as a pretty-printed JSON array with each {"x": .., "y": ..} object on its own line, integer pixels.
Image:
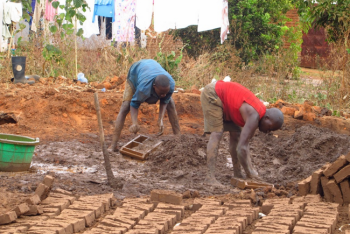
[
  {"x": 34, "y": 210},
  {"x": 42, "y": 191},
  {"x": 315, "y": 184},
  {"x": 21, "y": 209},
  {"x": 34, "y": 200},
  {"x": 327, "y": 193},
  {"x": 48, "y": 181},
  {"x": 342, "y": 174},
  {"x": 339, "y": 163},
  {"x": 167, "y": 196},
  {"x": 335, "y": 191},
  {"x": 8, "y": 217},
  {"x": 304, "y": 186}
]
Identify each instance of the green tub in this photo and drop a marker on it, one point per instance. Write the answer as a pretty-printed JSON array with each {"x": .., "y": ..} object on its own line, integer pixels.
[{"x": 16, "y": 152}]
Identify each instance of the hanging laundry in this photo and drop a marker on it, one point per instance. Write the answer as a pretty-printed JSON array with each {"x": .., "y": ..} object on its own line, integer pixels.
[
  {"x": 210, "y": 15},
  {"x": 15, "y": 11},
  {"x": 88, "y": 26},
  {"x": 187, "y": 13},
  {"x": 37, "y": 15},
  {"x": 225, "y": 23},
  {"x": 104, "y": 8},
  {"x": 50, "y": 11},
  {"x": 164, "y": 15},
  {"x": 123, "y": 29},
  {"x": 144, "y": 9}
]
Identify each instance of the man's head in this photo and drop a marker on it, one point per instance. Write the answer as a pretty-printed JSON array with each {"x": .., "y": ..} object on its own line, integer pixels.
[
  {"x": 161, "y": 86},
  {"x": 272, "y": 120}
]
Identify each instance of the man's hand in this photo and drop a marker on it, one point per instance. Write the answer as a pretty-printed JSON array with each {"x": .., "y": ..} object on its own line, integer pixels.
[
  {"x": 134, "y": 128},
  {"x": 161, "y": 127}
]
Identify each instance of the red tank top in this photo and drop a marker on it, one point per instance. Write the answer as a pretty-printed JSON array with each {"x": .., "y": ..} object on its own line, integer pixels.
[{"x": 232, "y": 96}]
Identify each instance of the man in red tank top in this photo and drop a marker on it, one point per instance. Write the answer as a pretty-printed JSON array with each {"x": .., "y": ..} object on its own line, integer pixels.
[{"x": 229, "y": 106}]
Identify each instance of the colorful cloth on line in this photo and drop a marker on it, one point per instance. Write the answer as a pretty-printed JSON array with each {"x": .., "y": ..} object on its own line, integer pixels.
[
  {"x": 123, "y": 28},
  {"x": 50, "y": 11}
]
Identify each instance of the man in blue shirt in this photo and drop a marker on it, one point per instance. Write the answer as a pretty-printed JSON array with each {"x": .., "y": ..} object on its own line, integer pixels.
[{"x": 147, "y": 82}]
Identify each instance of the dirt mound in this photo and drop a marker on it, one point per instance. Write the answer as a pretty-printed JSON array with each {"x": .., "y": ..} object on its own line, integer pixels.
[
  {"x": 179, "y": 152},
  {"x": 285, "y": 159}
]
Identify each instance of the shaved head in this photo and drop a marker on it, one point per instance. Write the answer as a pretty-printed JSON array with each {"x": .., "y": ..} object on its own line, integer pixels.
[
  {"x": 162, "y": 81},
  {"x": 272, "y": 120}
]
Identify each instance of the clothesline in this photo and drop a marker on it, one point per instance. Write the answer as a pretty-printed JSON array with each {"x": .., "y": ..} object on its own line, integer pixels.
[{"x": 167, "y": 14}]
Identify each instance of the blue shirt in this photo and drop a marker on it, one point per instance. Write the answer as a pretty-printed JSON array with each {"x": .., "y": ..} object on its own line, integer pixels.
[
  {"x": 106, "y": 9},
  {"x": 142, "y": 75}
]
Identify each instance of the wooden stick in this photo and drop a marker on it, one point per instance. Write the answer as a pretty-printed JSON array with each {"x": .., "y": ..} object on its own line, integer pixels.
[
  {"x": 11, "y": 40},
  {"x": 76, "y": 49},
  {"x": 111, "y": 179}
]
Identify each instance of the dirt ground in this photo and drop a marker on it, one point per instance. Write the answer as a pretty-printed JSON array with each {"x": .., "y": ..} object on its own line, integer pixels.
[{"x": 64, "y": 119}]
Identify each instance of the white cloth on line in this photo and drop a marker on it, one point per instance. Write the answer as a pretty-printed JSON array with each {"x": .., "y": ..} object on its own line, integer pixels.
[
  {"x": 186, "y": 13},
  {"x": 225, "y": 22},
  {"x": 89, "y": 27},
  {"x": 15, "y": 11},
  {"x": 144, "y": 9},
  {"x": 210, "y": 15},
  {"x": 164, "y": 15}
]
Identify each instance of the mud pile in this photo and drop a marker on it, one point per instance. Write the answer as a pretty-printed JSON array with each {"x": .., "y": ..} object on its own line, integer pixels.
[{"x": 291, "y": 158}]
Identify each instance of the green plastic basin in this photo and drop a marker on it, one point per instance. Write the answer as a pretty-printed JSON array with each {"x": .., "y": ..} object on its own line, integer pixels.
[{"x": 16, "y": 152}]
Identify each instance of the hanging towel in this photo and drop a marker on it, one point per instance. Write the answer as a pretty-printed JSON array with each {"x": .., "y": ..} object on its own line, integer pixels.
[
  {"x": 50, "y": 11},
  {"x": 88, "y": 26},
  {"x": 107, "y": 10},
  {"x": 187, "y": 12},
  {"x": 123, "y": 29},
  {"x": 164, "y": 15},
  {"x": 144, "y": 9},
  {"x": 15, "y": 11},
  {"x": 210, "y": 15},
  {"x": 225, "y": 23}
]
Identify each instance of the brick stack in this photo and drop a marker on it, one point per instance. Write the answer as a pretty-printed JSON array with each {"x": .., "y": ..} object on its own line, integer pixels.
[
  {"x": 31, "y": 205},
  {"x": 332, "y": 181}
]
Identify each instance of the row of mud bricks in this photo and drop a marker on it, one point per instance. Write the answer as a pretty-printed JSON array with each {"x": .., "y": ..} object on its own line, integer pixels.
[{"x": 331, "y": 181}]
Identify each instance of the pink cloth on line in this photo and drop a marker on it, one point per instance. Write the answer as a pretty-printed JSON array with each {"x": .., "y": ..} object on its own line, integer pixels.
[{"x": 50, "y": 11}]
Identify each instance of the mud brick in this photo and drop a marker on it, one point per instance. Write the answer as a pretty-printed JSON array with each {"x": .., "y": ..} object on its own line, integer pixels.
[
  {"x": 59, "y": 203},
  {"x": 290, "y": 221},
  {"x": 332, "y": 222},
  {"x": 88, "y": 216},
  {"x": 161, "y": 226},
  {"x": 304, "y": 186},
  {"x": 327, "y": 193},
  {"x": 177, "y": 213},
  {"x": 142, "y": 231},
  {"x": 77, "y": 224},
  {"x": 167, "y": 196},
  {"x": 62, "y": 191},
  {"x": 335, "y": 191},
  {"x": 272, "y": 227},
  {"x": 34, "y": 200},
  {"x": 185, "y": 228},
  {"x": 68, "y": 227},
  {"x": 48, "y": 181},
  {"x": 42, "y": 191},
  {"x": 339, "y": 163},
  {"x": 307, "y": 230},
  {"x": 51, "y": 210},
  {"x": 34, "y": 210},
  {"x": 63, "y": 196},
  {"x": 226, "y": 227},
  {"x": 139, "y": 214},
  {"x": 342, "y": 174},
  {"x": 172, "y": 207},
  {"x": 314, "y": 225},
  {"x": 241, "y": 222},
  {"x": 21, "y": 209},
  {"x": 315, "y": 184},
  {"x": 104, "y": 229},
  {"x": 163, "y": 217},
  {"x": 313, "y": 198},
  {"x": 345, "y": 188},
  {"x": 39, "y": 230},
  {"x": 8, "y": 217},
  {"x": 130, "y": 222}
]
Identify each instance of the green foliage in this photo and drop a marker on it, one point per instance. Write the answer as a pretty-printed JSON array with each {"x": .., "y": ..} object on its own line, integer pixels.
[
  {"x": 169, "y": 61},
  {"x": 330, "y": 14},
  {"x": 51, "y": 55}
]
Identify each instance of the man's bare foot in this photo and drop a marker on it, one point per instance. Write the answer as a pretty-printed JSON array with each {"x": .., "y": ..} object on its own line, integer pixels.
[
  {"x": 237, "y": 172},
  {"x": 210, "y": 180},
  {"x": 253, "y": 175}
]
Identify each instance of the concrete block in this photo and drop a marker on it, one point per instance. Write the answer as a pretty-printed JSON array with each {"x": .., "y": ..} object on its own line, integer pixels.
[
  {"x": 8, "y": 217},
  {"x": 336, "y": 166},
  {"x": 167, "y": 196}
]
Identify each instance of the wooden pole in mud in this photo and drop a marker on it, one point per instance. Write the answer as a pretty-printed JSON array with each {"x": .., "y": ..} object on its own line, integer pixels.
[{"x": 112, "y": 181}]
